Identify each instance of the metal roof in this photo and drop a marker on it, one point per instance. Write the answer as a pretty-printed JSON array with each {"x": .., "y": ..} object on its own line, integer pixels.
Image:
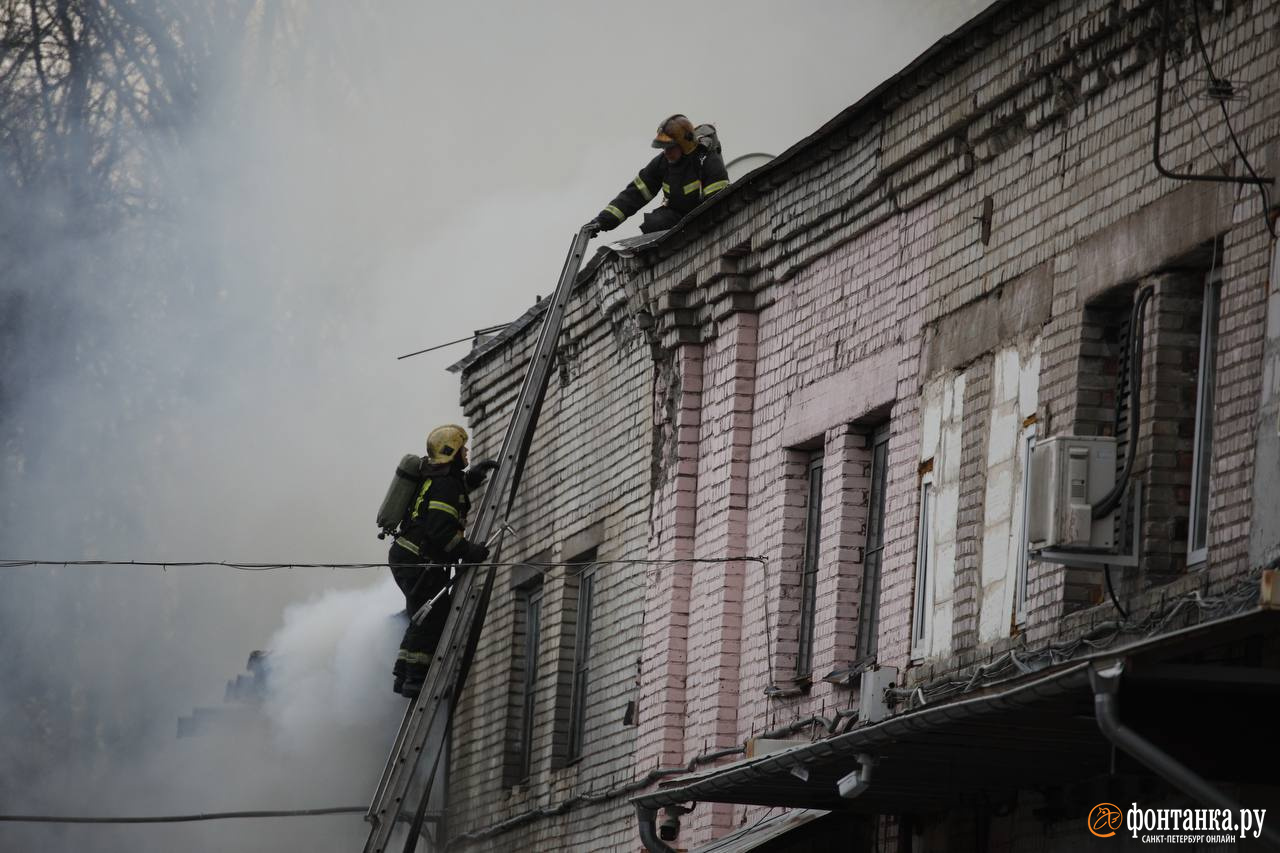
[
  {"x": 924, "y": 757},
  {"x": 1039, "y": 732},
  {"x": 940, "y": 57}
]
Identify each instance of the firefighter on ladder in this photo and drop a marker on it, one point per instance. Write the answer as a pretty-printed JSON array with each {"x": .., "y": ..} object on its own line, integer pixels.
[
  {"x": 688, "y": 171},
  {"x": 431, "y": 539}
]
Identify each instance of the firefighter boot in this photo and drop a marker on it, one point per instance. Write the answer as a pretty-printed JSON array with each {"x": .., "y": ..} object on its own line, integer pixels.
[
  {"x": 398, "y": 673},
  {"x": 415, "y": 675}
]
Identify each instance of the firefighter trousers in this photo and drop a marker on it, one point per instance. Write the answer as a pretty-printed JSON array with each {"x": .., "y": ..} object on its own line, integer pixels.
[{"x": 419, "y": 584}]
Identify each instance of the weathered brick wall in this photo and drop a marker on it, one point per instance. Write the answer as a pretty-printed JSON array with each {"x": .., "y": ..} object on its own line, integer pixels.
[
  {"x": 586, "y": 484},
  {"x": 796, "y": 311}
]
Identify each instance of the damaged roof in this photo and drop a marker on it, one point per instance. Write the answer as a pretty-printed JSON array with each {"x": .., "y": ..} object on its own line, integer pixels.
[
  {"x": 945, "y": 54},
  {"x": 486, "y": 344},
  {"x": 1038, "y": 731}
]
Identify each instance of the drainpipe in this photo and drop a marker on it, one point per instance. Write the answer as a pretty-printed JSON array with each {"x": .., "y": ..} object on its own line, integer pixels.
[
  {"x": 1106, "y": 705},
  {"x": 648, "y": 818}
]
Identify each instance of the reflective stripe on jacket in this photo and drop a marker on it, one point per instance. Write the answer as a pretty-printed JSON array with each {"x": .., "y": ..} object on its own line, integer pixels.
[
  {"x": 685, "y": 184},
  {"x": 436, "y": 520}
]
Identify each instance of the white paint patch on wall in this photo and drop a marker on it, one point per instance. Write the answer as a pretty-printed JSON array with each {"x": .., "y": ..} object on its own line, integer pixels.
[
  {"x": 943, "y": 407},
  {"x": 1014, "y": 390}
]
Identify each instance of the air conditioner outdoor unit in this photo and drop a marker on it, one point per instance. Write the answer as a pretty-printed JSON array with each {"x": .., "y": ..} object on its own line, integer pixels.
[{"x": 1069, "y": 474}]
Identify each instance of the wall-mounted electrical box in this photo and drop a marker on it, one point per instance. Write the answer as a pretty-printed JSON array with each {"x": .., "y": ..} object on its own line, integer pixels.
[
  {"x": 1069, "y": 474},
  {"x": 872, "y": 704}
]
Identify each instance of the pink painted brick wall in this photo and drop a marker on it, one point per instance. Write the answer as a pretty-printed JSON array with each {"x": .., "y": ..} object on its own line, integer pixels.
[{"x": 789, "y": 314}]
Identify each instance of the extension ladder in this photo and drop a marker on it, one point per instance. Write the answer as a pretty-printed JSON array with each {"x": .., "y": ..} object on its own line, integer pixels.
[{"x": 415, "y": 770}]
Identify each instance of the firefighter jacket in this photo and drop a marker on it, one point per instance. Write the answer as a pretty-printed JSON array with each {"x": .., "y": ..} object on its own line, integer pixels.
[
  {"x": 685, "y": 184},
  {"x": 434, "y": 523}
]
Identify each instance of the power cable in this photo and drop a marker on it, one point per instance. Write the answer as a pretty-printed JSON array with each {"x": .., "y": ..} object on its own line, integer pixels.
[
  {"x": 182, "y": 818},
  {"x": 1216, "y": 84},
  {"x": 1177, "y": 76},
  {"x": 1111, "y": 591},
  {"x": 262, "y": 567},
  {"x": 1011, "y": 665},
  {"x": 478, "y": 333}
]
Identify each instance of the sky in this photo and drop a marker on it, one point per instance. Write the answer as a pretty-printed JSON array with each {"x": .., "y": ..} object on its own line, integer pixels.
[{"x": 405, "y": 174}]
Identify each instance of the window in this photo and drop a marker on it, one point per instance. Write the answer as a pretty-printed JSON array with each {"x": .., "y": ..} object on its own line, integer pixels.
[
  {"x": 581, "y": 661},
  {"x": 1198, "y": 525},
  {"x": 527, "y": 635},
  {"x": 869, "y": 606},
  {"x": 573, "y": 661},
  {"x": 1020, "y": 532},
  {"x": 923, "y": 609},
  {"x": 809, "y": 566}
]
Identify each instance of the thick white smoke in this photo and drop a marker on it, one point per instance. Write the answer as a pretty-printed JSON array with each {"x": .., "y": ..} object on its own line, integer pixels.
[
  {"x": 212, "y": 375},
  {"x": 329, "y": 686}
]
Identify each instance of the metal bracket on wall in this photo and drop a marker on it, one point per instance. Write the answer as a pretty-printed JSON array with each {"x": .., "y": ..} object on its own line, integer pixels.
[{"x": 1125, "y": 559}]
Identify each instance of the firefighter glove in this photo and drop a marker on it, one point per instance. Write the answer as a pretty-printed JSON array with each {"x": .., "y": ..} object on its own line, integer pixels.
[
  {"x": 477, "y": 552},
  {"x": 478, "y": 472},
  {"x": 607, "y": 221}
]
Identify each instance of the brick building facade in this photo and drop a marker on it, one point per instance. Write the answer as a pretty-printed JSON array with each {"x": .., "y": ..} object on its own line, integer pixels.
[{"x": 811, "y": 407}]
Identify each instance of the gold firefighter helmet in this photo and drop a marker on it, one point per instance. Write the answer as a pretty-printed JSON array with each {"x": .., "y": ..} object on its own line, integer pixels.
[
  {"x": 676, "y": 130},
  {"x": 444, "y": 443}
]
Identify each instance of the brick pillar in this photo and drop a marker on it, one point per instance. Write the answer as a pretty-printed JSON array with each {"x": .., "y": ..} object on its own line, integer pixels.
[
  {"x": 974, "y": 430},
  {"x": 1102, "y": 359},
  {"x": 1166, "y": 435},
  {"x": 846, "y": 491},
  {"x": 1060, "y": 368},
  {"x": 716, "y": 601},
  {"x": 1246, "y": 428},
  {"x": 672, "y": 529}
]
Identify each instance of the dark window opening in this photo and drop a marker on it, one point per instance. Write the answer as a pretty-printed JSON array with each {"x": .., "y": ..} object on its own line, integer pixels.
[
  {"x": 809, "y": 566},
  {"x": 1206, "y": 374},
  {"x": 526, "y": 637},
  {"x": 869, "y": 604},
  {"x": 573, "y": 682},
  {"x": 581, "y": 663}
]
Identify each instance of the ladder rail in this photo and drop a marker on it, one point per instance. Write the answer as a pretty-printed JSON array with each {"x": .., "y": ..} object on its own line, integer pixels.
[{"x": 473, "y": 587}]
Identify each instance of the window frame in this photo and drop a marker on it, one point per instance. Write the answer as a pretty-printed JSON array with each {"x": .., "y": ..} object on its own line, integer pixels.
[
  {"x": 1202, "y": 462},
  {"x": 531, "y": 599},
  {"x": 809, "y": 565},
  {"x": 580, "y": 685},
  {"x": 867, "y": 641},
  {"x": 921, "y": 606},
  {"x": 1022, "y": 568}
]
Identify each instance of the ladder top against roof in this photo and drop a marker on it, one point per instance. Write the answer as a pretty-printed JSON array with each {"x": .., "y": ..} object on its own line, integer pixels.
[{"x": 422, "y": 740}]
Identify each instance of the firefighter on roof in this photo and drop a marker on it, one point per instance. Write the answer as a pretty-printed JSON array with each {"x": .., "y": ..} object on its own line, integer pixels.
[
  {"x": 432, "y": 532},
  {"x": 688, "y": 171}
]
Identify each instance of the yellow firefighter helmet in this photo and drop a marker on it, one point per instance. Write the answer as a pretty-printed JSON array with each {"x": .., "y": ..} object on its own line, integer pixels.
[
  {"x": 676, "y": 130},
  {"x": 444, "y": 443}
]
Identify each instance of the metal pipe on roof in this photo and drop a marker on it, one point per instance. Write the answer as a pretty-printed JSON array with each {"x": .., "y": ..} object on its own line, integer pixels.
[
  {"x": 1106, "y": 704},
  {"x": 648, "y": 817}
]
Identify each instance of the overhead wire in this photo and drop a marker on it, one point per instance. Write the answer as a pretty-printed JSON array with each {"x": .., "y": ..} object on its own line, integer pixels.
[
  {"x": 182, "y": 818},
  {"x": 478, "y": 333},
  {"x": 1195, "y": 117},
  {"x": 1214, "y": 80},
  {"x": 259, "y": 567}
]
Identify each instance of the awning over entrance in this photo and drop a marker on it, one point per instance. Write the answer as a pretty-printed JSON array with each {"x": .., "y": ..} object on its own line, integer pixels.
[{"x": 1194, "y": 692}]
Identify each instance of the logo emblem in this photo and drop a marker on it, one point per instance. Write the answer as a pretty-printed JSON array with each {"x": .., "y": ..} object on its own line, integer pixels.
[{"x": 1105, "y": 819}]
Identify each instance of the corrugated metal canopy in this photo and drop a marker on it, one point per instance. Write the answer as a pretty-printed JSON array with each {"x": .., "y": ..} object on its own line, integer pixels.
[
  {"x": 1041, "y": 732},
  {"x": 1037, "y": 732}
]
